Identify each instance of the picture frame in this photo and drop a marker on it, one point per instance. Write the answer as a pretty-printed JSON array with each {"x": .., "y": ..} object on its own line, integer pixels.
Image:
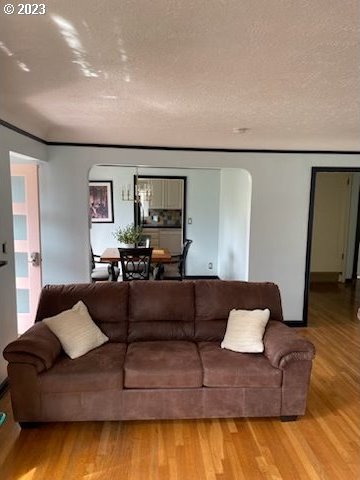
[{"x": 101, "y": 202}]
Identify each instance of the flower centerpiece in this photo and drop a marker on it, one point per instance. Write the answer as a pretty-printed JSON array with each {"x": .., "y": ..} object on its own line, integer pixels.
[{"x": 129, "y": 236}]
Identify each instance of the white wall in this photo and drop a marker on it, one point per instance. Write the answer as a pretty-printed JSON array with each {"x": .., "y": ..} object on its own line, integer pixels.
[
  {"x": 234, "y": 228},
  {"x": 279, "y": 209},
  {"x": 10, "y": 141},
  {"x": 101, "y": 233},
  {"x": 202, "y": 205}
]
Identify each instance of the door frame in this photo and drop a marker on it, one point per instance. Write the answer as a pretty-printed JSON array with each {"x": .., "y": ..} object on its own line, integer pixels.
[
  {"x": 169, "y": 177},
  {"x": 314, "y": 171}
]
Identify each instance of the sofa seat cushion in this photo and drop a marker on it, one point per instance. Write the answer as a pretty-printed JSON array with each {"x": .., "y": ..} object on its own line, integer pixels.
[
  {"x": 98, "y": 370},
  {"x": 224, "y": 368},
  {"x": 163, "y": 364}
]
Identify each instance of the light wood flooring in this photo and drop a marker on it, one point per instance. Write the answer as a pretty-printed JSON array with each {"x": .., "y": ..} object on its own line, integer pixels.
[{"x": 324, "y": 444}]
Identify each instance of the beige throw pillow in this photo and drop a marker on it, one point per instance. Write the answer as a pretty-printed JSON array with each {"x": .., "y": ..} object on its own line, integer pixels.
[
  {"x": 76, "y": 331},
  {"x": 245, "y": 330}
]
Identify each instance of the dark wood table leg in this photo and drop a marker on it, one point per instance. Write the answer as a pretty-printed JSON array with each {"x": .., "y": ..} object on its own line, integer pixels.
[
  {"x": 159, "y": 271},
  {"x": 112, "y": 271}
]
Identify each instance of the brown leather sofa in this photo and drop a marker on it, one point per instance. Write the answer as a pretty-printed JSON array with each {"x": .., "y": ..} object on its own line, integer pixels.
[{"x": 163, "y": 360}]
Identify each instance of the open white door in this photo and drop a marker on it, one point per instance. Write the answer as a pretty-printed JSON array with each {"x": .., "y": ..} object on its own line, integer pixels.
[{"x": 24, "y": 182}]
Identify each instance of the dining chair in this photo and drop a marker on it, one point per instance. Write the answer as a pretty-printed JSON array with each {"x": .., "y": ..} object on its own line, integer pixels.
[
  {"x": 103, "y": 273},
  {"x": 135, "y": 263},
  {"x": 175, "y": 270}
]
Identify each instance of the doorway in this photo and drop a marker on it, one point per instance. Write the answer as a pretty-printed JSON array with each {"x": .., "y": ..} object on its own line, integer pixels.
[
  {"x": 25, "y": 205},
  {"x": 162, "y": 216},
  {"x": 333, "y": 232}
]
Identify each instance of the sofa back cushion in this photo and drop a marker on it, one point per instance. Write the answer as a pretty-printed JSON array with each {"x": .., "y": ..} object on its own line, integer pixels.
[
  {"x": 162, "y": 310},
  {"x": 215, "y": 299},
  {"x": 106, "y": 302}
]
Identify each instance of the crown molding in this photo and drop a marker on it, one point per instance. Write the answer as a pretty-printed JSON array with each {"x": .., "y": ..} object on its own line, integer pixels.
[
  {"x": 183, "y": 149},
  {"x": 21, "y": 131}
]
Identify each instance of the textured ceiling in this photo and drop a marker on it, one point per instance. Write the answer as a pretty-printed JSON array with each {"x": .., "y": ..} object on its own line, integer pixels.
[{"x": 187, "y": 73}]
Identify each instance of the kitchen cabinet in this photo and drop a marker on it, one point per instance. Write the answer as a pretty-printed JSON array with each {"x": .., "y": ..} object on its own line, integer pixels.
[
  {"x": 157, "y": 196},
  {"x": 166, "y": 193},
  {"x": 154, "y": 235},
  {"x": 173, "y": 194},
  {"x": 171, "y": 238}
]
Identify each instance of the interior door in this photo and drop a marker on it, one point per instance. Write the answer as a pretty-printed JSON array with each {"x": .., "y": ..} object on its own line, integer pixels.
[{"x": 24, "y": 183}]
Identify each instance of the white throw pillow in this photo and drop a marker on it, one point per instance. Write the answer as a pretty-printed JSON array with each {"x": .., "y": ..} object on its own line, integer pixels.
[
  {"x": 245, "y": 330},
  {"x": 76, "y": 331}
]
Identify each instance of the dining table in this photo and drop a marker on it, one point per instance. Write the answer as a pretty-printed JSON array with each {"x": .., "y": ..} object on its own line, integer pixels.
[{"x": 112, "y": 256}]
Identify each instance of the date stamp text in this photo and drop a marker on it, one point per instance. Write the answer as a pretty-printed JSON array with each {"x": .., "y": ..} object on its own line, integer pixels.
[{"x": 24, "y": 9}]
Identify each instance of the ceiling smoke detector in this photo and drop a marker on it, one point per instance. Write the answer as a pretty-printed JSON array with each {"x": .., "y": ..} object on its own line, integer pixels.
[{"x": 240, "y": 130}]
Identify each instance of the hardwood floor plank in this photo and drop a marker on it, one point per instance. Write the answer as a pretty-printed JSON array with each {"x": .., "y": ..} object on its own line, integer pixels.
[{"x": 324, "y": 444}]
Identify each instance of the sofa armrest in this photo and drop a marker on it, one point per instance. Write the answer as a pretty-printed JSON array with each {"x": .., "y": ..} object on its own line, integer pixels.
[
  {"x": 38, "y": 346},
  {"x": 282, "y": 345}
]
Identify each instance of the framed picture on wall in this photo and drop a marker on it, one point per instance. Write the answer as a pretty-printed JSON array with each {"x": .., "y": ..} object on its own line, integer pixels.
[{"x": 101, "y": 204}]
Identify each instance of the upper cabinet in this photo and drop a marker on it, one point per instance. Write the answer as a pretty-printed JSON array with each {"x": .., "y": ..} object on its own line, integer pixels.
[
  {"x": 166, "y": 193},
  {"x": 173, "y": 194},
  {"x": 157, "y": 193}
]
